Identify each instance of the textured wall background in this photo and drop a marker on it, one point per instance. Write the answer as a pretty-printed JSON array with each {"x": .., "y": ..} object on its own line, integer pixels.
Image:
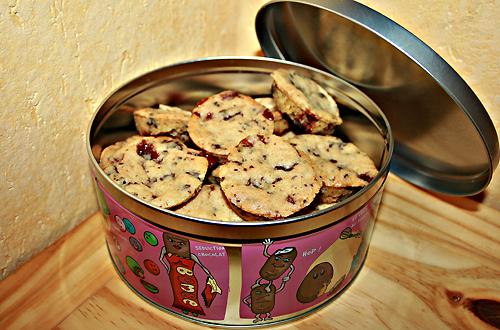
[{"x": 60, "y": 58}]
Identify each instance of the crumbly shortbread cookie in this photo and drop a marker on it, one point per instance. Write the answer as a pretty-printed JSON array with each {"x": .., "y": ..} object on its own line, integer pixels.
[
  {"x": 267, "y": 177},
  {"x": 305, "y": 102},
  {"x": 221, "y": 121},
  {"x": 342, "y": 167},
  {"x": 281, "y": 125},
  {"x": 210, "y": 203},
  {"x": 165, "y": 120},
  {"x": 159, "y": 170}
]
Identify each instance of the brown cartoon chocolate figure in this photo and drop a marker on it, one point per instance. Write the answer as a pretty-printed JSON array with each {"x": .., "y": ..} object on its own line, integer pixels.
[
  {"x": 315, "y": 282},
  {"x": 261, "y": 301},
  {"x": 178, "y": 246},
  {"x": 275, "y": 266},
  {"x": 177, "y": 258}
]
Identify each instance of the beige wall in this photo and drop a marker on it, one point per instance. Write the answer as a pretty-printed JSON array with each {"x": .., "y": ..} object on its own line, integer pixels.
[{"x": 59, "y": 59}]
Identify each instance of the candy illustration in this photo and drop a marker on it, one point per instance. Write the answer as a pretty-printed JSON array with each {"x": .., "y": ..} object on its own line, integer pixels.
[
  {"x": 135, "y": 243},
  {"x": 151, "y": 267},
  {"x": 134, "y": 267},
  {"x": 180, "y": 264},
  {"x": 150, "y": 238}
]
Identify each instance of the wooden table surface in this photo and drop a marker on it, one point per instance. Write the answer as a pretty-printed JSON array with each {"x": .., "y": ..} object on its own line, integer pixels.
[{"x": 434, "y": 262}]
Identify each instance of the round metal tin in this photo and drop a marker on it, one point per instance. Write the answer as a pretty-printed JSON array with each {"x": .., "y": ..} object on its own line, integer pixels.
[
  {"x": 183, "y": 85},
  {"x": 444, "y": 138},
  {"x": 236, "y": 274}
]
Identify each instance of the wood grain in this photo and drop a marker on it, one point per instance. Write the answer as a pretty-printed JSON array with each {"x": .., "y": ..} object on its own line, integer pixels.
[
  {"x": 50, "y": 286},
  {"x": 433, "y": 262}
]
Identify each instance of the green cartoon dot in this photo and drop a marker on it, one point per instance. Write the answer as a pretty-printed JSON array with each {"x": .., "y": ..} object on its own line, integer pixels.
[
  {"x": 150, "y": 287},
  {"x": 129, "y": 226},
  {"x": 134, "y": 267},
  {"x": 150, "y": 238}
]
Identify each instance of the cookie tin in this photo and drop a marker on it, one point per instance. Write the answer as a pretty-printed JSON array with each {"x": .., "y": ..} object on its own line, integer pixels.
[
  {"x": 444, "y": 139},
  {"x": 240, "y": 274}
]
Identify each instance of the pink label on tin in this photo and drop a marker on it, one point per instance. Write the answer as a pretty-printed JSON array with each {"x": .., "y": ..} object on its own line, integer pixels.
[
  {"x": 288, "y": 276},
  {"x": 180, "y": 274}
]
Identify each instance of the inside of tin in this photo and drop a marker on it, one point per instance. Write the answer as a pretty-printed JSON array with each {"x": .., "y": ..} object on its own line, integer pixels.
[{"x": 364, "y": 124}]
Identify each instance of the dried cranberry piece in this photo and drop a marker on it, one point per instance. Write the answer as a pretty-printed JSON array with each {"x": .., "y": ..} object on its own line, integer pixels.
[
  {"x": 268, "y": 114},
  {"x": 228, "y": 95},
  {"x": 246, "y": 143},
  {"x": 200, "y": 102},
  {"x": 147, "y": 150}
]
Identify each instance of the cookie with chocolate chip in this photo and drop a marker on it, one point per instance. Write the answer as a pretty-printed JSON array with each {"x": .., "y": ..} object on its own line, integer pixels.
[
  {"x": 210, "y": 203},
  {"x": 341, "y": 166},
  {"x": 159, "y": 170},
  {"x": 281, "y": 125},
  {"x": 221, "y": 121},
  {"x": 265, "y": 176},
  {"x": 310, "y": 107},
  {"x": 165, "y": 120}
]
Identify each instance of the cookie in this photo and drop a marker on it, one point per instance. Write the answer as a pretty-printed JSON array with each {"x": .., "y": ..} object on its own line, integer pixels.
[
  {"x": 281, "y": 125},
  {"x": 221, "y": 121},
  {"x": 159, "y": 170},
  {"x": 210, "y": 203},
  {"x": 307, "y": 104},
  {"x": 165, "y": 120},
  {"x": 342, "y": 167},
  {"x": 267, "y": 177}
]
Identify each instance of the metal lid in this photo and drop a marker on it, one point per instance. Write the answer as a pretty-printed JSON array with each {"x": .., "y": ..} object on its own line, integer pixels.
[{"x": 444, "y": 138}]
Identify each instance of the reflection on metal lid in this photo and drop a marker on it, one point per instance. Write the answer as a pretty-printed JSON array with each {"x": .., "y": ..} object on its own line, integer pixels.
[{"x": 445, "y": 140}]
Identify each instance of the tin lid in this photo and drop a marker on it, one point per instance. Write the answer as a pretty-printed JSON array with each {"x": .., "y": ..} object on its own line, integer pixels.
[{"x": 444, "y": 138}]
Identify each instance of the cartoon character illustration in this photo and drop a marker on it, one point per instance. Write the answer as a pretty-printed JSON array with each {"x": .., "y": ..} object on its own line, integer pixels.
[
  {"x": 177, "y": 258},
  {"x": 262, "y": 295},
  {"x": 277, "y": 264},
  {"x": 340, "y": 256},
  {"x": 261, "y": 301},
  {"x": 315, "y": 283}
]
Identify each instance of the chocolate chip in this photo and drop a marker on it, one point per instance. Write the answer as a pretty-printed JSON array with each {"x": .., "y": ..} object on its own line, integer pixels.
[
  {"x": 286, "y": 168},
  {"x": 151, "y": 122},
  {"x": 277, "y": 180},
  {"x": 227, "y": 117},
  {"x": 262, "y": 138},
  {"x": 365, "y": 177}
]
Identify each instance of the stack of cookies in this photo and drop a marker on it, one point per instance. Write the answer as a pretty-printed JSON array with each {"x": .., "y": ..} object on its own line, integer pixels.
[{"x": 235, "y": 158}]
